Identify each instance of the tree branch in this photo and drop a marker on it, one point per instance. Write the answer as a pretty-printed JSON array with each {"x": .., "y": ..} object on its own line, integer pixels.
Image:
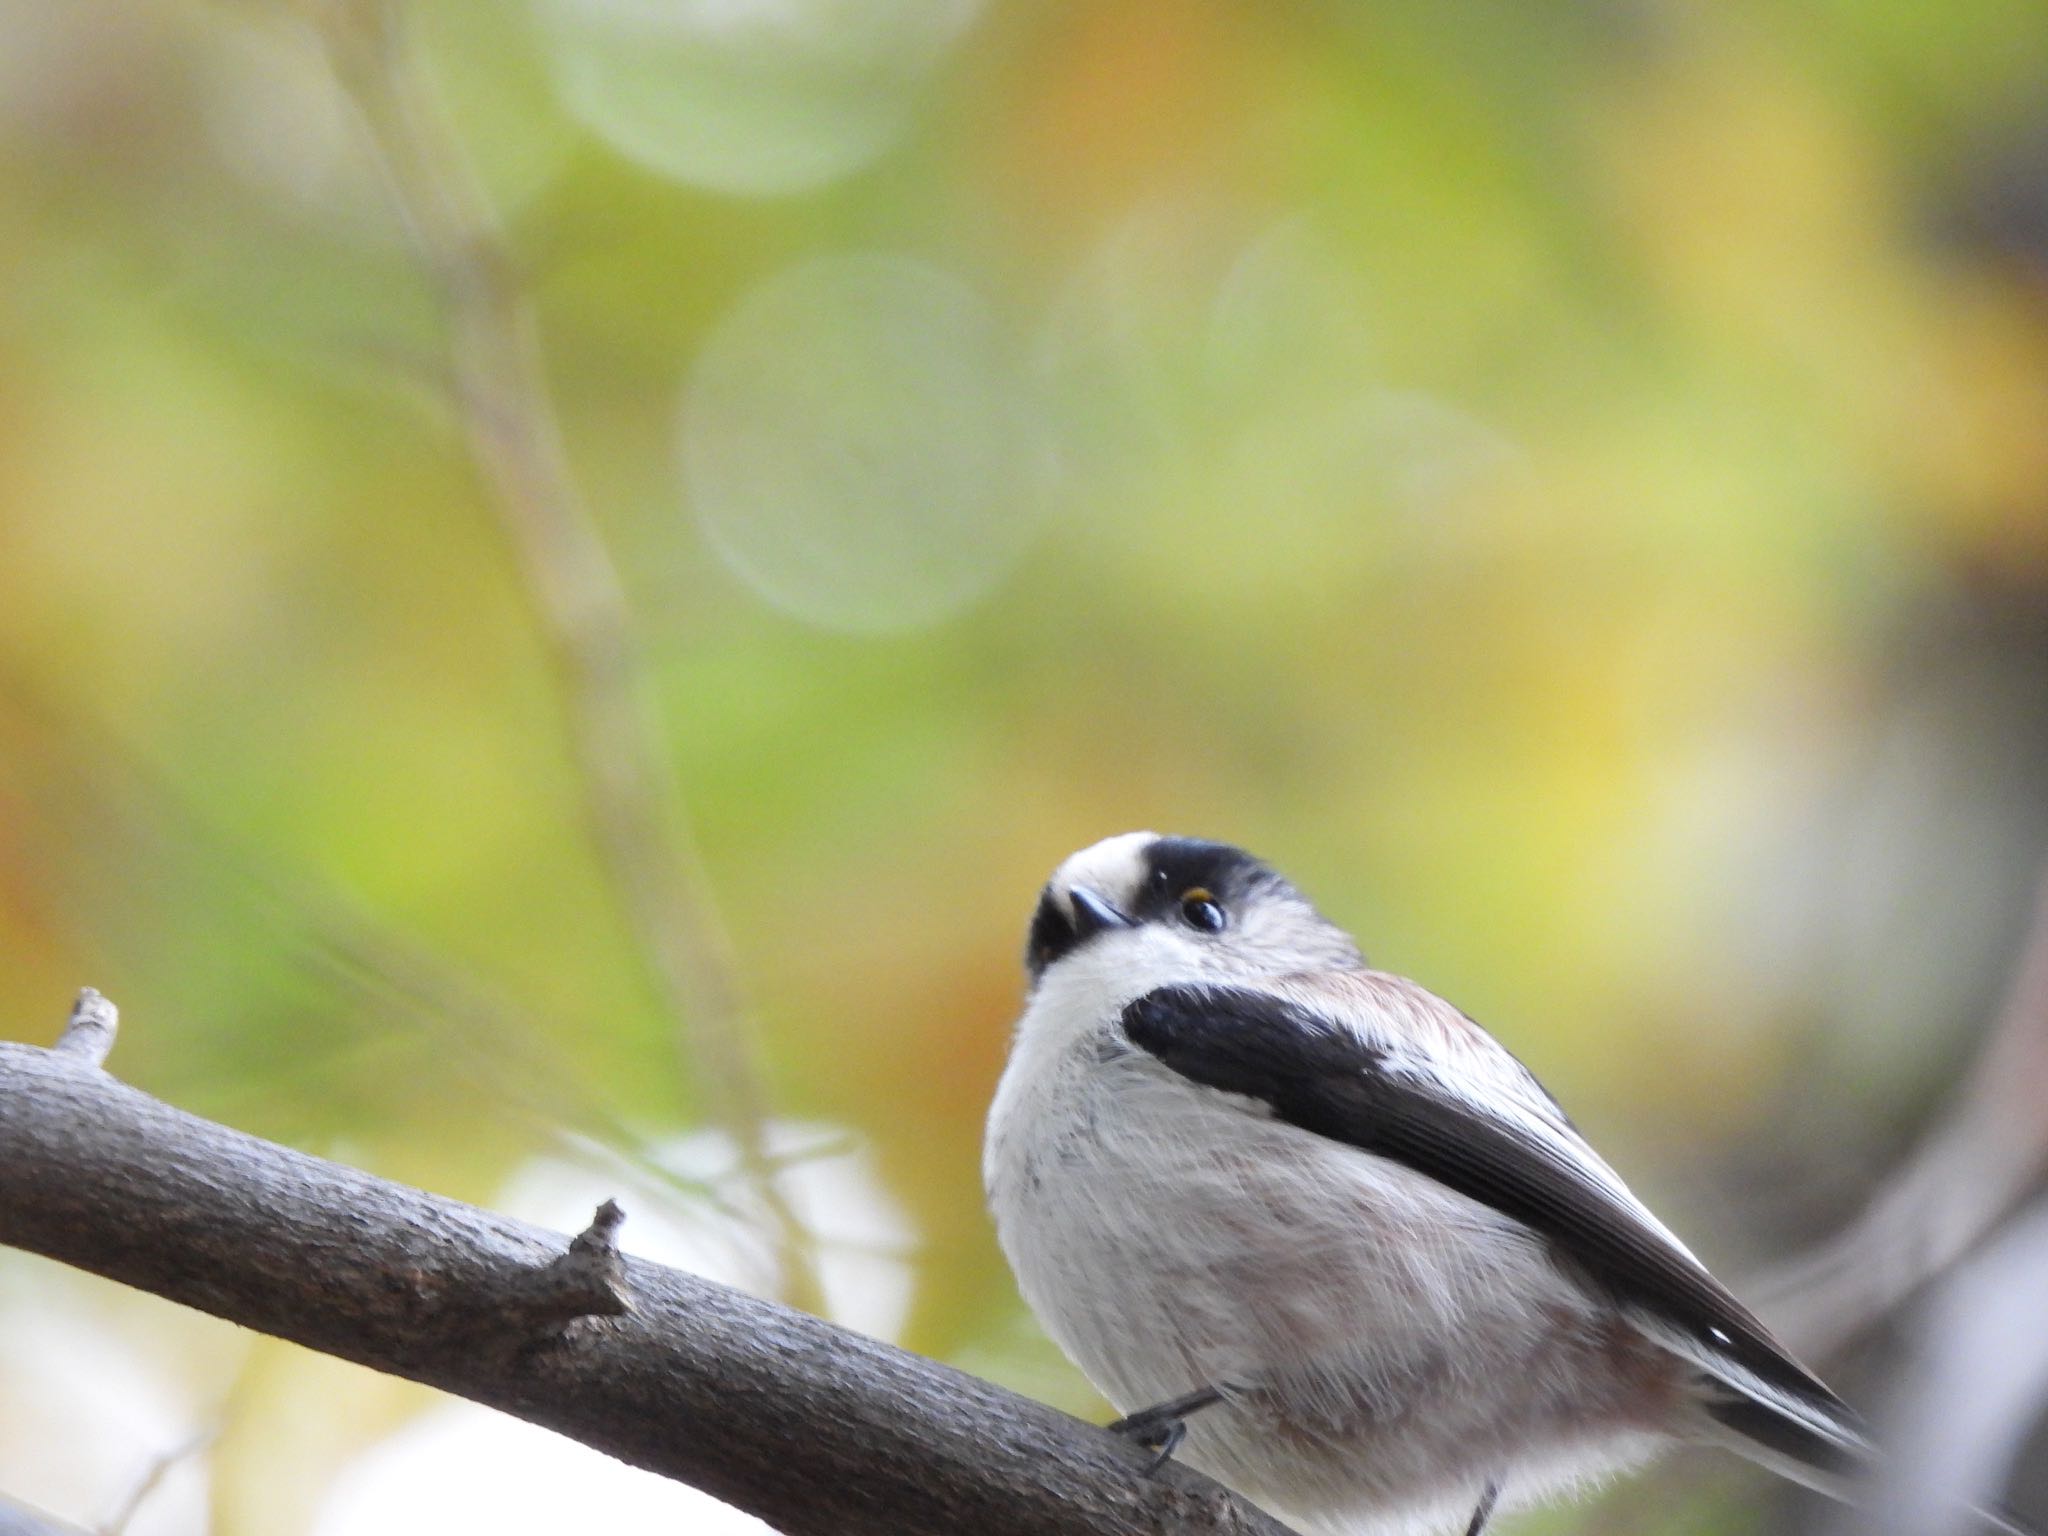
[
  {"x": 818, "y": 1431},
  {"x": 1959, "y": 1184}
]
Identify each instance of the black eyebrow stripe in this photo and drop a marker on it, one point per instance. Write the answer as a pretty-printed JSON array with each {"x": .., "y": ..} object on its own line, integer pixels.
[{"x": 1177, "y": 864}]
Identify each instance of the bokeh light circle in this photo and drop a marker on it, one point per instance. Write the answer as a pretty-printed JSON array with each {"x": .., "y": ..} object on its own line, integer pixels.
[
  {"x": 858, "y": 447},
  {"x": 764, "y": 98}
]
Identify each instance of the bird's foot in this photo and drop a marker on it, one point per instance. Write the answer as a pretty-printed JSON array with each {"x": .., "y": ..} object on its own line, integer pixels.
[
  {"x": 1484, "y": 1511},
  {"x": 1161, "y": 1428}
]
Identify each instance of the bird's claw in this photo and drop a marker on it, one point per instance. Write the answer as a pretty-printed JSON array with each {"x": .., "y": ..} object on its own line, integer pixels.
[
  {"x": 1160, "y": 1436},
  {"x": 1161, "y": 1428}
]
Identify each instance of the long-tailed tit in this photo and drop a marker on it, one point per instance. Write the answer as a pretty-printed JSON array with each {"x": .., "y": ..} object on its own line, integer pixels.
[{"x": 1311, "y": 1227}]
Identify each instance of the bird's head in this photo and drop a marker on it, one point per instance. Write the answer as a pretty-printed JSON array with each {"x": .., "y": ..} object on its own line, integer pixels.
[{"x": 1144, "y": 908}]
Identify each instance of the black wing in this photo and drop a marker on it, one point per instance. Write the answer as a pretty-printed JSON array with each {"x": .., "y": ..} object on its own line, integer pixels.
[{"x": 1322, "y": 1077}]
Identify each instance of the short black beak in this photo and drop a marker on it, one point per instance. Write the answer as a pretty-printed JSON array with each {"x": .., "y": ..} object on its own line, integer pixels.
[{"x": 1092, "y": 914}]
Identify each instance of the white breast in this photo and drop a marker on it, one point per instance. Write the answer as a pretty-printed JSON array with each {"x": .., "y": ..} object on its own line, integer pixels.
[{"x": 1398, "y": 1345}]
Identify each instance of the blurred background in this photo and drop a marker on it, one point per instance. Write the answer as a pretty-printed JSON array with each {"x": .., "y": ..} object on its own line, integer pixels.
[{"x": 1566, "y": 482}]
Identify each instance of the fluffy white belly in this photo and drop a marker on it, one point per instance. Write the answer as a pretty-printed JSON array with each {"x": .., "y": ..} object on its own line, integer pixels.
[{"x": 1389, "y": 1347}]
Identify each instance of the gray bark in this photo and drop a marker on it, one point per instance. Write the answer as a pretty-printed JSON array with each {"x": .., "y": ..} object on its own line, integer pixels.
[{"x": 819, "y": 1431}]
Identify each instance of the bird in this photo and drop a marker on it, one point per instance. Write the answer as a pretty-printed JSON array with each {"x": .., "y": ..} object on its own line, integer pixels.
[{"x": 1315, "y": 1232}]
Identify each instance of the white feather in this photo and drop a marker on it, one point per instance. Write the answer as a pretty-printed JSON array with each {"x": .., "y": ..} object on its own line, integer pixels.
[{"x": 1387, "y": 1346}]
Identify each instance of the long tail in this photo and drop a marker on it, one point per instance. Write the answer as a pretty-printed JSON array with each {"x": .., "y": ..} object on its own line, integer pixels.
[
  {"x": 1825, "y": 1452},
  {"x": 1816, "y": 1443}
]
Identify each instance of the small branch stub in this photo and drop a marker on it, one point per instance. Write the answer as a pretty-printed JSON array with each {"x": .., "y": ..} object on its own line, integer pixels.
[
  {"x": 89, "y": 1035},
  {"x": 599, "y": 1242},
  {"x": 816, "y": 1430},
  {"x": 586, "y": 1281}
]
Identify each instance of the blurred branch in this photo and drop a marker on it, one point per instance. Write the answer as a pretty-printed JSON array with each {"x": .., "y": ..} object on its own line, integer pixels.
[
  {"x": 634, "y": 807},
  {"x": 20, "y": 1520},
  {"x": 816, "y": 1430},
  {"x": 1962, "y": 1409},
  {"x": 124, "y": 812},
  {"x": 1967, "y": 1175},
  {"x": 154, "y": 1475}
]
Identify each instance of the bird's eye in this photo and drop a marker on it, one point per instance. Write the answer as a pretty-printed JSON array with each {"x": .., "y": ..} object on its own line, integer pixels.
[{"x": 1200, "y": 910}]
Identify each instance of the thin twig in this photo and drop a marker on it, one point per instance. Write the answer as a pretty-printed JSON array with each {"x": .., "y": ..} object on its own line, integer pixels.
[
  {"x": 153, "y": 1477},
  {"x": 495, "y": 1042},
  {"x": 631, "y": 799},
  {"x": 1966, "y": 1176}
]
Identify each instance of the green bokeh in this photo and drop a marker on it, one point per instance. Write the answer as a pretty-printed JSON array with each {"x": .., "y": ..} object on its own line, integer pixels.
[{"x": 1567, "y": 483}]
